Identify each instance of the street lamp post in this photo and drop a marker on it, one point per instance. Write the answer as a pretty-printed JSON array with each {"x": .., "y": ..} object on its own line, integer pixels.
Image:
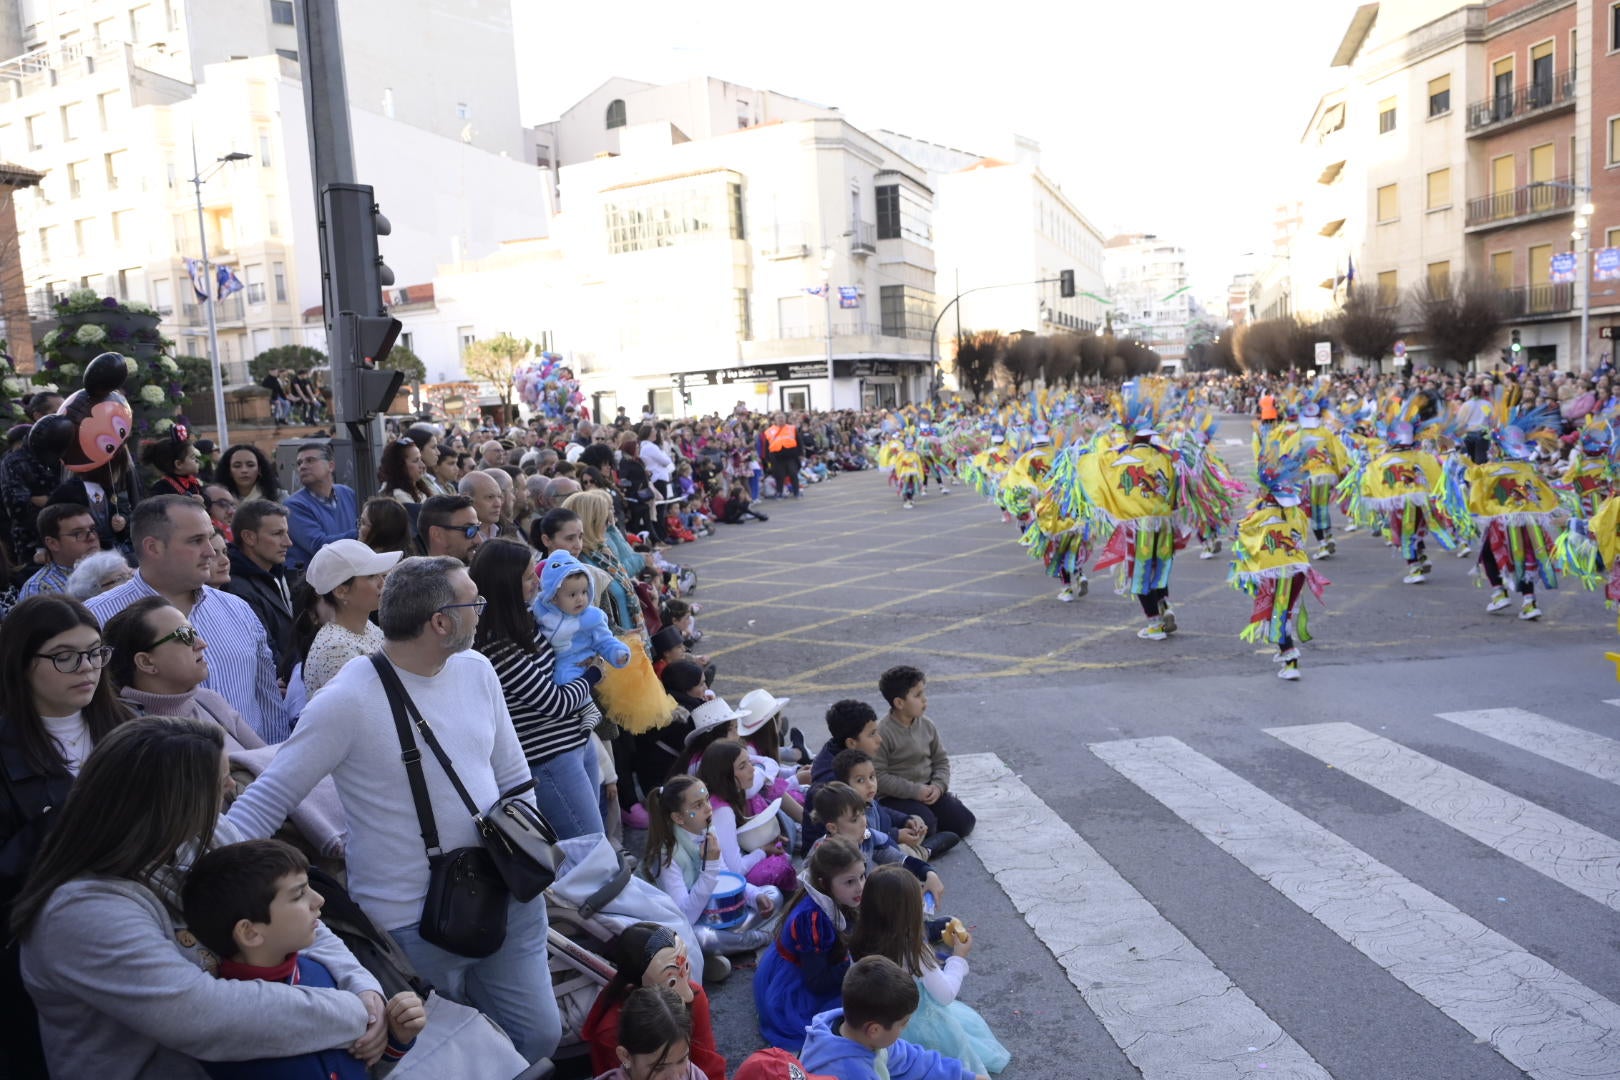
[
  {"x": 197, "y": 180},
  {"x": 1581, "y": 235}
]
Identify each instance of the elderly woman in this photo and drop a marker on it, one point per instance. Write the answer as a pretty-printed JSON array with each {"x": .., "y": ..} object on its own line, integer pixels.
[
  {"x": 98, "y": 572},
  {"x": 123, "y": 991},
  {"x": 619, "y": 599}
]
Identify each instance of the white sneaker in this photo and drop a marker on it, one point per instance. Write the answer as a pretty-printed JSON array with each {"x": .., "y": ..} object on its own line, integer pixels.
[
  {"x": 1207, "y": 553},
  {"x": 1066, "y": 595},
  {"x": 906, "y": 505},
  {"x": 1289, "y": 656},
  {"x": 1153, "y": 631},
  {"x": 1289, "y": 672},
  {"x": 1352, "y": 527},
  {"x": 1530, "y": 613},
  {"x": 1167, "y": 618},
  {"x": 943, "y": 490},
  {"x": 1499, "y": 600},
  {"x": 1321, "y": 552},
  {"x": 1415, "y": 577},
  {"x": 1463, "y": 552}
]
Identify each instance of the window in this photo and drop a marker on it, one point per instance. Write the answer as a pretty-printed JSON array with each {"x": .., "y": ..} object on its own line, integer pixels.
[
  {"x": 1541, "y": 74},
  {"x": 1502, "y": 269},
  {"x": 45, "y": 243},
  {"x": 1439, "y": 189},
  {"x": 694, "y": 209},
  {"x": 140, "y": 20},
  {"x": 745, "y": 325},
  {"x": 888, "y": 212},
  {"x": 84, "y": 235},
  {"x": 75, "y": 179},
  {"x": 1502, "y": 88},
  {"x": 264, "y": 150},
  {"x": 116, "y": 164},
  {"x": 1541, "y": 172},
  {"x": 737, "y": 230},
  {"x": 615, "y": 114},
  {"x": 36, "y": 131},
  {"x": 278, "y": 278},
  {"x": 281, "y": 12},
  {"x": 1386, "y": 116},
  {"x": 288, "y": 54},
  {"x": 131, "y": 284},
  {"x": 1332, "y": 120},
  {"x": 465, "y": 336},
  {"x": 903, "y": 214},
  {"x": 107, "y": 109},
  {"x": 1440, "y": 278},
  {"x": 1389, "y": 202},
  {"x": 123, "y": 228},
  {"x": 1389, "y": 289},
  {"x": 1611, "y": 238},
  {"x": 1541, "y": 264},
  {"x": 255, "y": 283},
  {"x": 905, "y": 311},
  {"x": 463, "y": 111},
  {"x": 1440, "y": 95},
  {"x": 272, "y": 216},
  {"x": 163, "y": 296}
]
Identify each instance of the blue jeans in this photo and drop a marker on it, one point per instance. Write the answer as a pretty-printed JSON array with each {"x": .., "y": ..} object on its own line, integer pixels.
[
  {"x": 511, "y": 987},
  {"x": 567, "y": 788}
]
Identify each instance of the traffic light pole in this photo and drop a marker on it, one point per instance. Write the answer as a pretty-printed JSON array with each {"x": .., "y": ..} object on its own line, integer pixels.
[
  {"x": 331, "y": 158},
  {"x": 933, "y": 333}
]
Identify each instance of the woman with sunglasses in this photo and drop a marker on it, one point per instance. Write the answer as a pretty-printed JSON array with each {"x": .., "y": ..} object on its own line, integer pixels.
[{"x": 55, "y": 704}]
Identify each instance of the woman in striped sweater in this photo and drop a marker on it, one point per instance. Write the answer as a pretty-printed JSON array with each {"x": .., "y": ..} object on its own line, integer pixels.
[{"x": 553, "y": 722}]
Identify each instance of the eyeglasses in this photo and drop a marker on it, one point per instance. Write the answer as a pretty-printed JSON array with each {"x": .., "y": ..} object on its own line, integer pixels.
[
  {"x": 81, "y": 535},
  {"x": 478, "y": 604},
  {"x": 185, "y": 635},
  {"x": 469, "y": 531},
  {"x": 69, "y": 662}
]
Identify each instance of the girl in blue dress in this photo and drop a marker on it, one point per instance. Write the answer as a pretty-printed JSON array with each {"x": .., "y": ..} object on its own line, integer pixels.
[{"x": 803, "y": 973}]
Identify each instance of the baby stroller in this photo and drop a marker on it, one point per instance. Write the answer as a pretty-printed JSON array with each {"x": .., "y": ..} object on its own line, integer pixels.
[{"x": 595, "y": 897}]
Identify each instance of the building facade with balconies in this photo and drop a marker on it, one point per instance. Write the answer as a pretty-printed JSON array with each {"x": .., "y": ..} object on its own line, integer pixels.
[{"x": 1150, "y": 297}]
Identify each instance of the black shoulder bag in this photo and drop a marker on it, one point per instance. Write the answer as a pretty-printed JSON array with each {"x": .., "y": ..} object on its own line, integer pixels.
[{"x": 466, "y": 886}]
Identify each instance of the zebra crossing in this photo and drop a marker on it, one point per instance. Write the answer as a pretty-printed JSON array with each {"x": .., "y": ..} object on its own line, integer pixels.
[{"x": 1171, "y": 1009}]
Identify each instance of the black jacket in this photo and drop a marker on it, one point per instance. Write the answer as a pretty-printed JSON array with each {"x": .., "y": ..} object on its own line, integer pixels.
[
  {"x": 29, "y": 803},
  {"x": 258, "y": 587}
]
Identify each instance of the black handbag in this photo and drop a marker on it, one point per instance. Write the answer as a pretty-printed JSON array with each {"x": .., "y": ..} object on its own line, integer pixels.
[
  {"x": 465, "y": 908},
  {"x": 518, "y": 838}
]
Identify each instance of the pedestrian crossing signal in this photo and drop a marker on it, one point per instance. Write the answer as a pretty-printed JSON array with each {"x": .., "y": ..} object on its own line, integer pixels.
[{"x": 1066, "y": 283}]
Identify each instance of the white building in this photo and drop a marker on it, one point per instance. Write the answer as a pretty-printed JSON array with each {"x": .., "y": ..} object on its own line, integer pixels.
[
  {"x": 1005, "y": 233},
  {"x": 1152, "y": 301},
  {"x": 106, "y": 98}
]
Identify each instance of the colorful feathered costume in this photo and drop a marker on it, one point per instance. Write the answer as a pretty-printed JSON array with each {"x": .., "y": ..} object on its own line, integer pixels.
[{"x": 1270, "y": 560}]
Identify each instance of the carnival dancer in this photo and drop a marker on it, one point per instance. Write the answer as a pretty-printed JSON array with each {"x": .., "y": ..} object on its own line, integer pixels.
[
  {"x": 1270, "y": 560},
  {"x": 1210, "y": 490},
  {"x": 1513, "y": 507},
  {"x": 1021, "y": 486},
  {"x": 1130, "y": 492},
  {"x": 1058, "y": 536},
  {"x": 1325, "y": 464},
  {"x": 937, "y": 464},
  {"x": 908, "y": 470},
  {"x": 1590, "y": 549},
  {"x": 1593, "y": 474},
  {"x": 1396, "y": 486}
]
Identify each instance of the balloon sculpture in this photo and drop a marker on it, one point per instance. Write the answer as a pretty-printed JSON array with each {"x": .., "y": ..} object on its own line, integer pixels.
[{"x": 547, "y": 386}]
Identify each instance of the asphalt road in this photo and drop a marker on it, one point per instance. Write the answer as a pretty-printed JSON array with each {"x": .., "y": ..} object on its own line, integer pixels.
[{"x": 1186, "y": 867}]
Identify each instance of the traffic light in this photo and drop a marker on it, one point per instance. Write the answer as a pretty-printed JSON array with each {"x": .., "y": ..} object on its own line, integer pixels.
[
  {"x": 1515, "y": 348},
  {"x": 680, "y": 384},
  {"x": 1066, "y": 284},
  {"x": 354, "y": 265},
  {"x": 371, "y": 389}
]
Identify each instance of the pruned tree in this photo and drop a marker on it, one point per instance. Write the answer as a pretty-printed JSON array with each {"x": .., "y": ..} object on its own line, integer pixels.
[
  {"x": 1283, "y": 344},
  {"x": 285, "y": 358},
  {"x": 1365, "y": 328},
  {"x": 1460, "y": 318},
  {"x": 496, "y": 360},
  {"x": 976, "y": 361},
  {"x": 1060, "y": 361},
  {"x": 1021, "y": 363}
]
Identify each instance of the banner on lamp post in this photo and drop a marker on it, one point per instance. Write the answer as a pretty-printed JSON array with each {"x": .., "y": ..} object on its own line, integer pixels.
[
  {"x": 849, "y": 296},
  {"x": 1563, "y": 268},
  {"x": 1606, "y": 264}
]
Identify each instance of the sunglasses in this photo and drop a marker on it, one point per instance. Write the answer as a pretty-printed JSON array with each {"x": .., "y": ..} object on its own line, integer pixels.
[
  {"x": 185, "y": 635},
  {"x": 469, "y": 531}
]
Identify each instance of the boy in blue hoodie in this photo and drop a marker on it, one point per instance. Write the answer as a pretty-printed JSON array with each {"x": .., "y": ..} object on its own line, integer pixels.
[
  {"x": 570, "y": 620},
  {"x": 251, "y": 904},
  {"x": 862, "y": 1040}
]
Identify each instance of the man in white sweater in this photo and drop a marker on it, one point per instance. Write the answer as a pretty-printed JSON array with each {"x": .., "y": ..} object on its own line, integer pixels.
[{"x": 430, "y": 608}]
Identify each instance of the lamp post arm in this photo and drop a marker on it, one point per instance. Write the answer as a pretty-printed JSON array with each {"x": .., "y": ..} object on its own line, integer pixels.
[{"x": 933, "y": 333}]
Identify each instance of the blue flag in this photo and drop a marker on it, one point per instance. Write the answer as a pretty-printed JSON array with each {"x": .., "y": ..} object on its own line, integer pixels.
[
  {"x": 199, "y": 279},
  {"x": 228, "y": 282}
]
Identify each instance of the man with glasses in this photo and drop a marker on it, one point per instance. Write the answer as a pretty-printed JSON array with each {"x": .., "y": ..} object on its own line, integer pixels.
[
  {"x": 174, "y": 546},
  {"x": 429, "y": 614},
  {"x": 321, "y": 511},
  {"x": 221, "y": 506},
  {"x": 448, "y": 526},
  {"x": 69, "y": 534}
]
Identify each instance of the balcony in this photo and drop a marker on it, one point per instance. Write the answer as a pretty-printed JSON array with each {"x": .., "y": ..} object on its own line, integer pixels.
[
  {"x": 1541, "y": 97},
  {"x": 1521, "y": 204},
  {"x": 1527, "y": 301},
  {"x": 862, "y": 238},
  {"x": 228, "y": 310}
]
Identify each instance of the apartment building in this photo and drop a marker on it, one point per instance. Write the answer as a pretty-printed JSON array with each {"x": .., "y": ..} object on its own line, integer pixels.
[
  {"x": 1152, "y": 301},
  {"x": 108, "y": 98}
]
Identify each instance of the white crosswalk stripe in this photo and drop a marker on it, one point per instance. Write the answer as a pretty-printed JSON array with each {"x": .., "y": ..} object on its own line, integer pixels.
[
  {"x": 1551, "y": 844},
  {"x": 1540, "y": 1019},
  {"x": 1582, "y": 750},
  {"x": 1170, "y": 1009}
]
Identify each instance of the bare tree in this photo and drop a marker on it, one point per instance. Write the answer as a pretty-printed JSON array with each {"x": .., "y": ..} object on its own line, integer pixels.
[
  {"x": 1460, "y": 318},
  {"x": 496, "y": 360},
  {"x": 1283, "y": 344},
  {"x": 976, "y": 361},
  {"x": 1022, "y": 361},
  {"x": 1366, "y": 328}
]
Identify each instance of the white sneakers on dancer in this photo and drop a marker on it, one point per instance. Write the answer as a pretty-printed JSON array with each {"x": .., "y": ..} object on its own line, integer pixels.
[{"x": 1499, "y": 600}]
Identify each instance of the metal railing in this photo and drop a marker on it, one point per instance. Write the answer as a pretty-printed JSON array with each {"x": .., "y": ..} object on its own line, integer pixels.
[
  {"x": 227, "y": 310},
  {"x": 1527, "y": 100},
  {"x": 1546, "y": 299},
  {"x": 862, "y": 237},
  {"x": 1554, "y": 196}
]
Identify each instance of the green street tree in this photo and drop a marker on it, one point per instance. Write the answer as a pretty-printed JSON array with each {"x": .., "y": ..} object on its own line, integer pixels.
[
  {"x": 284, "y": 357},
  {"x": 496, "y": 360}
]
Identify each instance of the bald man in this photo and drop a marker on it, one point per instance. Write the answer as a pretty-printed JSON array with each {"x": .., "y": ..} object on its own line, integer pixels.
[
  {"x": 485, "y": 492},
  {"x": 493, "y": 454}
]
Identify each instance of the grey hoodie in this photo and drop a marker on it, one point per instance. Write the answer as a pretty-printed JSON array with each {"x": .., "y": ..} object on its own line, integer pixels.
[{"x": 123, "y": 995}]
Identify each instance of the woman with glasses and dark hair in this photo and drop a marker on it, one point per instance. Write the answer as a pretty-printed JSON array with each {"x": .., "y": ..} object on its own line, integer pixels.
[
  {"x": 248, "y": 474},
  {"x": 55, "y": 705},
  {"x": 547, "y": 715}
]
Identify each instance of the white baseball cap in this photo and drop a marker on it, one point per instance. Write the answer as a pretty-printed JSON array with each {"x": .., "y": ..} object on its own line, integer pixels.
[{"x": 341, "y": 560}]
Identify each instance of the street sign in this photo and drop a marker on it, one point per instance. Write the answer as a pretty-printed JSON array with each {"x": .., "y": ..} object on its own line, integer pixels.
[
  {"x": 1607, "y": 333},
  {"x": 1400, "y": 350},
  {"x": 1324, "y": 354},
  {"x": 1563, "y": 268}
]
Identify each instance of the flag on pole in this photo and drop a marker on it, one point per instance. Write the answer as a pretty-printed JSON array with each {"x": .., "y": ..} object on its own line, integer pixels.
[
  {"x": 1349, "y": 273},
  {"x": 199, "y": 279},
  {"x": 849, "y": 296},
  {"x": 228, "y": 282},
  {"x": 819, "y": 290}
]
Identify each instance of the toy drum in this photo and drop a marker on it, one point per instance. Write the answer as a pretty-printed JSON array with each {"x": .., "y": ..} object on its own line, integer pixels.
[{"x": 728, "y": 906}]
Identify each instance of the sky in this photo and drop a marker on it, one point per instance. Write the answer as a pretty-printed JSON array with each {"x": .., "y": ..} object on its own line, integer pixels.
[{"x": 1175, "y": 117}]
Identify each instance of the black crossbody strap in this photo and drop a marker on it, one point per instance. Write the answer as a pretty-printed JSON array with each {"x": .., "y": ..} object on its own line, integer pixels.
[
  {"x": 394, "y": 686},
  {"x": 408, "y": 751}
]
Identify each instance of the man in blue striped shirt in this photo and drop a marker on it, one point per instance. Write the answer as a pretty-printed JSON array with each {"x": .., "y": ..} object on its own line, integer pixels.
[
  {"x": 174, "y": 545},
  {"x": 69, "y": 534},
  {"x": 321, "y": 511}
]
